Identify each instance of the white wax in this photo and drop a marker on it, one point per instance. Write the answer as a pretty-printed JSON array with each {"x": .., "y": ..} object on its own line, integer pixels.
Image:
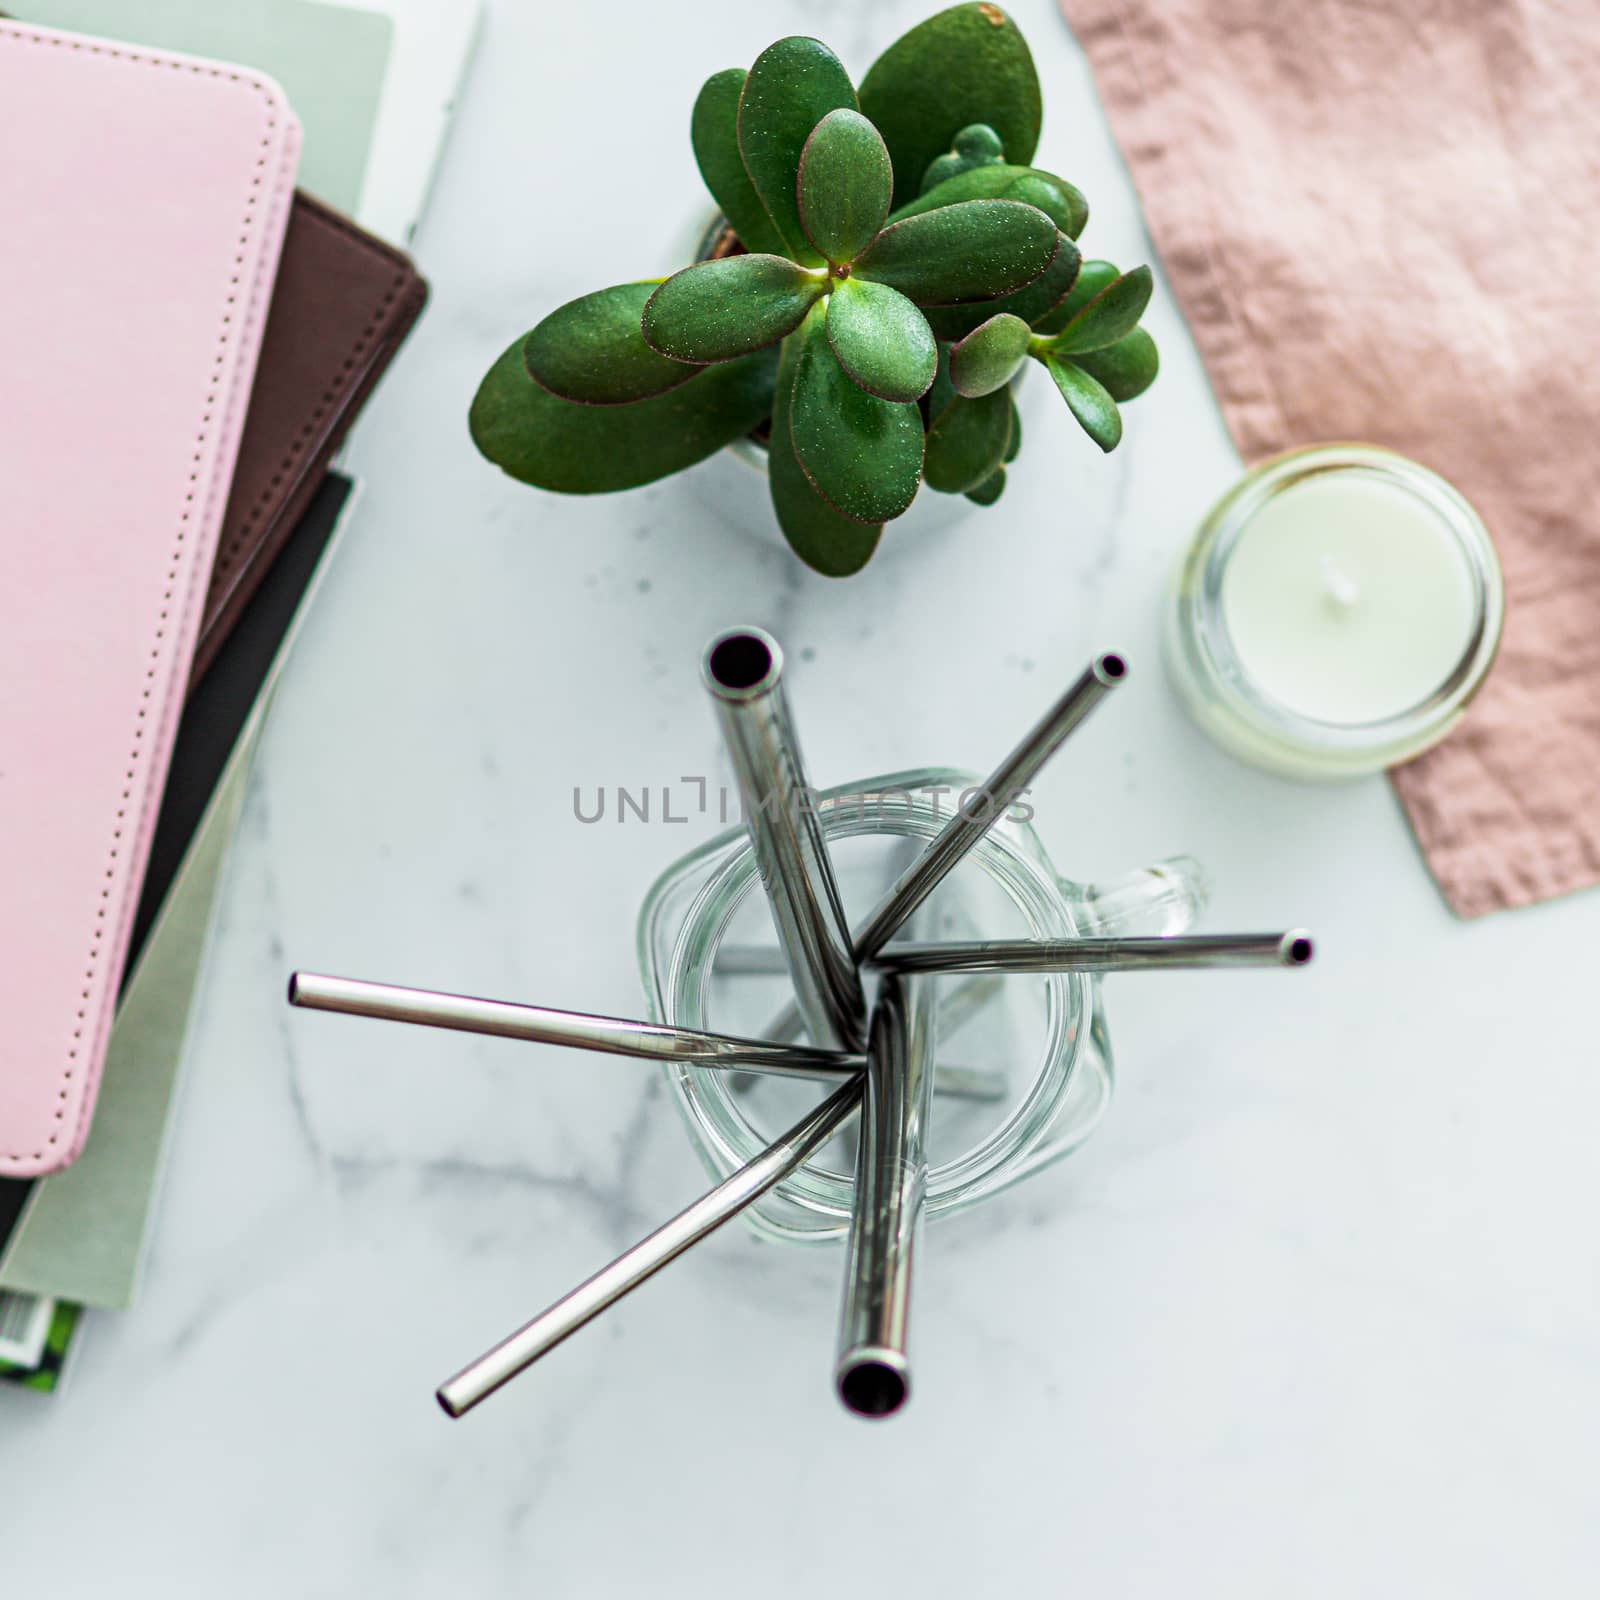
[{"x": 1348, "y": 599}]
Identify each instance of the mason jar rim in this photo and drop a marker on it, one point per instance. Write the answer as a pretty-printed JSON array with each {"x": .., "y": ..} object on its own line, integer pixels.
[{"x": 1021, "y": 870}]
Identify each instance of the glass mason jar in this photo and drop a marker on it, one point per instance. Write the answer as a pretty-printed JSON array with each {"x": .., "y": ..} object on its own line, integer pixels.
[
  {"x": 708, "y": 960},
  {"x": 1238, "y": 710}
]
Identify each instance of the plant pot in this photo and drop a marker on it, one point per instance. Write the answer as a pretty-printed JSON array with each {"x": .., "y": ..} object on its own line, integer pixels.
[{"x": 733, "y": 483}]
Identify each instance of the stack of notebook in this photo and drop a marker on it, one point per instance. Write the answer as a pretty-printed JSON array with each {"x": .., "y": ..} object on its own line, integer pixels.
[{"x": 188, "y": 337}]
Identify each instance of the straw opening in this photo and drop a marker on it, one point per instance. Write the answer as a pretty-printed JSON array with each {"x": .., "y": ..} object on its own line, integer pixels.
[
  {"x": 741, "y": 662},
  {"x": 873, "y": 1388}
]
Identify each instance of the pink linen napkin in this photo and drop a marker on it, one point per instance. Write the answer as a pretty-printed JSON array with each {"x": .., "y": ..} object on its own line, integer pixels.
[{"x": 1382, "y": 222}]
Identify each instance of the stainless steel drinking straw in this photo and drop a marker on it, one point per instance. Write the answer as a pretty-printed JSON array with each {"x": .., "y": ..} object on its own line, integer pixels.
[
  {"x": 475, "y": 1382},
  {"x": 957, "y": 1005},
  {"x": 743, "y": 670},
  {"x": 618, "y": 1036},
  {"x": 969, "y": 824},
  {"x": 750, "y": 961},
  {"x": 892, "y": 1081},
  {"x": 1002, "y": 786},
  {"x": 1292, "y": 949},
  {"x": 956, "y": 1008},
  {"x": 872, "y": 1373}
]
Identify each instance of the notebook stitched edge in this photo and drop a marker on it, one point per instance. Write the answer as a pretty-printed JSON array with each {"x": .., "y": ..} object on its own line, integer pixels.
[
  {"x": 210, "y": 408},
  {"x": 238, "y": 557}
]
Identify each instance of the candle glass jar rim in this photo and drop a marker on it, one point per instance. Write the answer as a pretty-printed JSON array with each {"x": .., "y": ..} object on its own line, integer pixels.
[{"x": 1205, "y": 638}]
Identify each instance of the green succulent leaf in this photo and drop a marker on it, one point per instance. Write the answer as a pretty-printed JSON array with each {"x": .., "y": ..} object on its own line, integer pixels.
[
  {"x": 591, "y": 350},
  {"x": 827, "y": 542},
  {"x": 967, "y": 442},
  {"x": 972, "y": 251},
  {"x": 942, "y": 391},
  {"x": 844, "y": 186},
  {"x": 1059, "y": 200},
  {"x": 965, "y": 65},
  {"x": 1094, "y": 408},
  {"x": 863, "y": 455},
  {"x": 975, "y": 146},
  {"x": 1093, "y": 277},
  {"x": 1111, "y": 315},
  {"x": 1124, "y": 369},
  {"x": 988, "y": 357},
  {"x": 793, "y": 85},
  {"x": 990, "y": 489},
  {"x": 881, "y": 340},
  {"x": 1032, "y": 302},
  {"x": 1054, "y": 196},
  {"x": 714, "y": 133},
  {"x": 1015, "y": 447},
  {"x": 541, "y": 439},
  {"x": 719, "y": 310}
]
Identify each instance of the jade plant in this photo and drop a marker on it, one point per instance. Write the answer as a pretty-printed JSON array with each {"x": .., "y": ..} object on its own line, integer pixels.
[{"x": 890, "y": 263}]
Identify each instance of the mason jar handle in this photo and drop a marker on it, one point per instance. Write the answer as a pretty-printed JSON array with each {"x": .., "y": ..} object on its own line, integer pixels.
[{"x": 1151, "y": 903}]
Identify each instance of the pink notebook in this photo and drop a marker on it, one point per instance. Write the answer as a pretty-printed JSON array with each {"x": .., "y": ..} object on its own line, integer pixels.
[{"x": 143, "y": 198}]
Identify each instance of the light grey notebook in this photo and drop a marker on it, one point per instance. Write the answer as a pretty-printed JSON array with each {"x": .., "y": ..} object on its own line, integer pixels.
[
  {"x": 82, "y": 1231},
  {"x": 332, "y": 61},
  {"x": 433, "y": 44}
]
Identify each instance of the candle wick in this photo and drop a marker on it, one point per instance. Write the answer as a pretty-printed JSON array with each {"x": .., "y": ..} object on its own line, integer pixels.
[{"x": 1342, "y": 589}]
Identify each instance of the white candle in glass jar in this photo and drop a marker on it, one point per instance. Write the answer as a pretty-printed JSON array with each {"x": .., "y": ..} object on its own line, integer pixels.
[{"x": 1336, "y": 612}]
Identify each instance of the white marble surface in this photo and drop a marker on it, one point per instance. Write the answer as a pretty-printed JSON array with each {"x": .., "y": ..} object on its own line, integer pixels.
[{"x": 1314, "y": 1314}]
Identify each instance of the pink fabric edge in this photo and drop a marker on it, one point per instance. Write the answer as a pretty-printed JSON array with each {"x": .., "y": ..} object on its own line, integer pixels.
[{"x": 1132, "y": 74}]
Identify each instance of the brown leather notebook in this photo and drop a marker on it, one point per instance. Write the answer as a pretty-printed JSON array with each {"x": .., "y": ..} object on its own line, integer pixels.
[{"x": 342, "y": 303}]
